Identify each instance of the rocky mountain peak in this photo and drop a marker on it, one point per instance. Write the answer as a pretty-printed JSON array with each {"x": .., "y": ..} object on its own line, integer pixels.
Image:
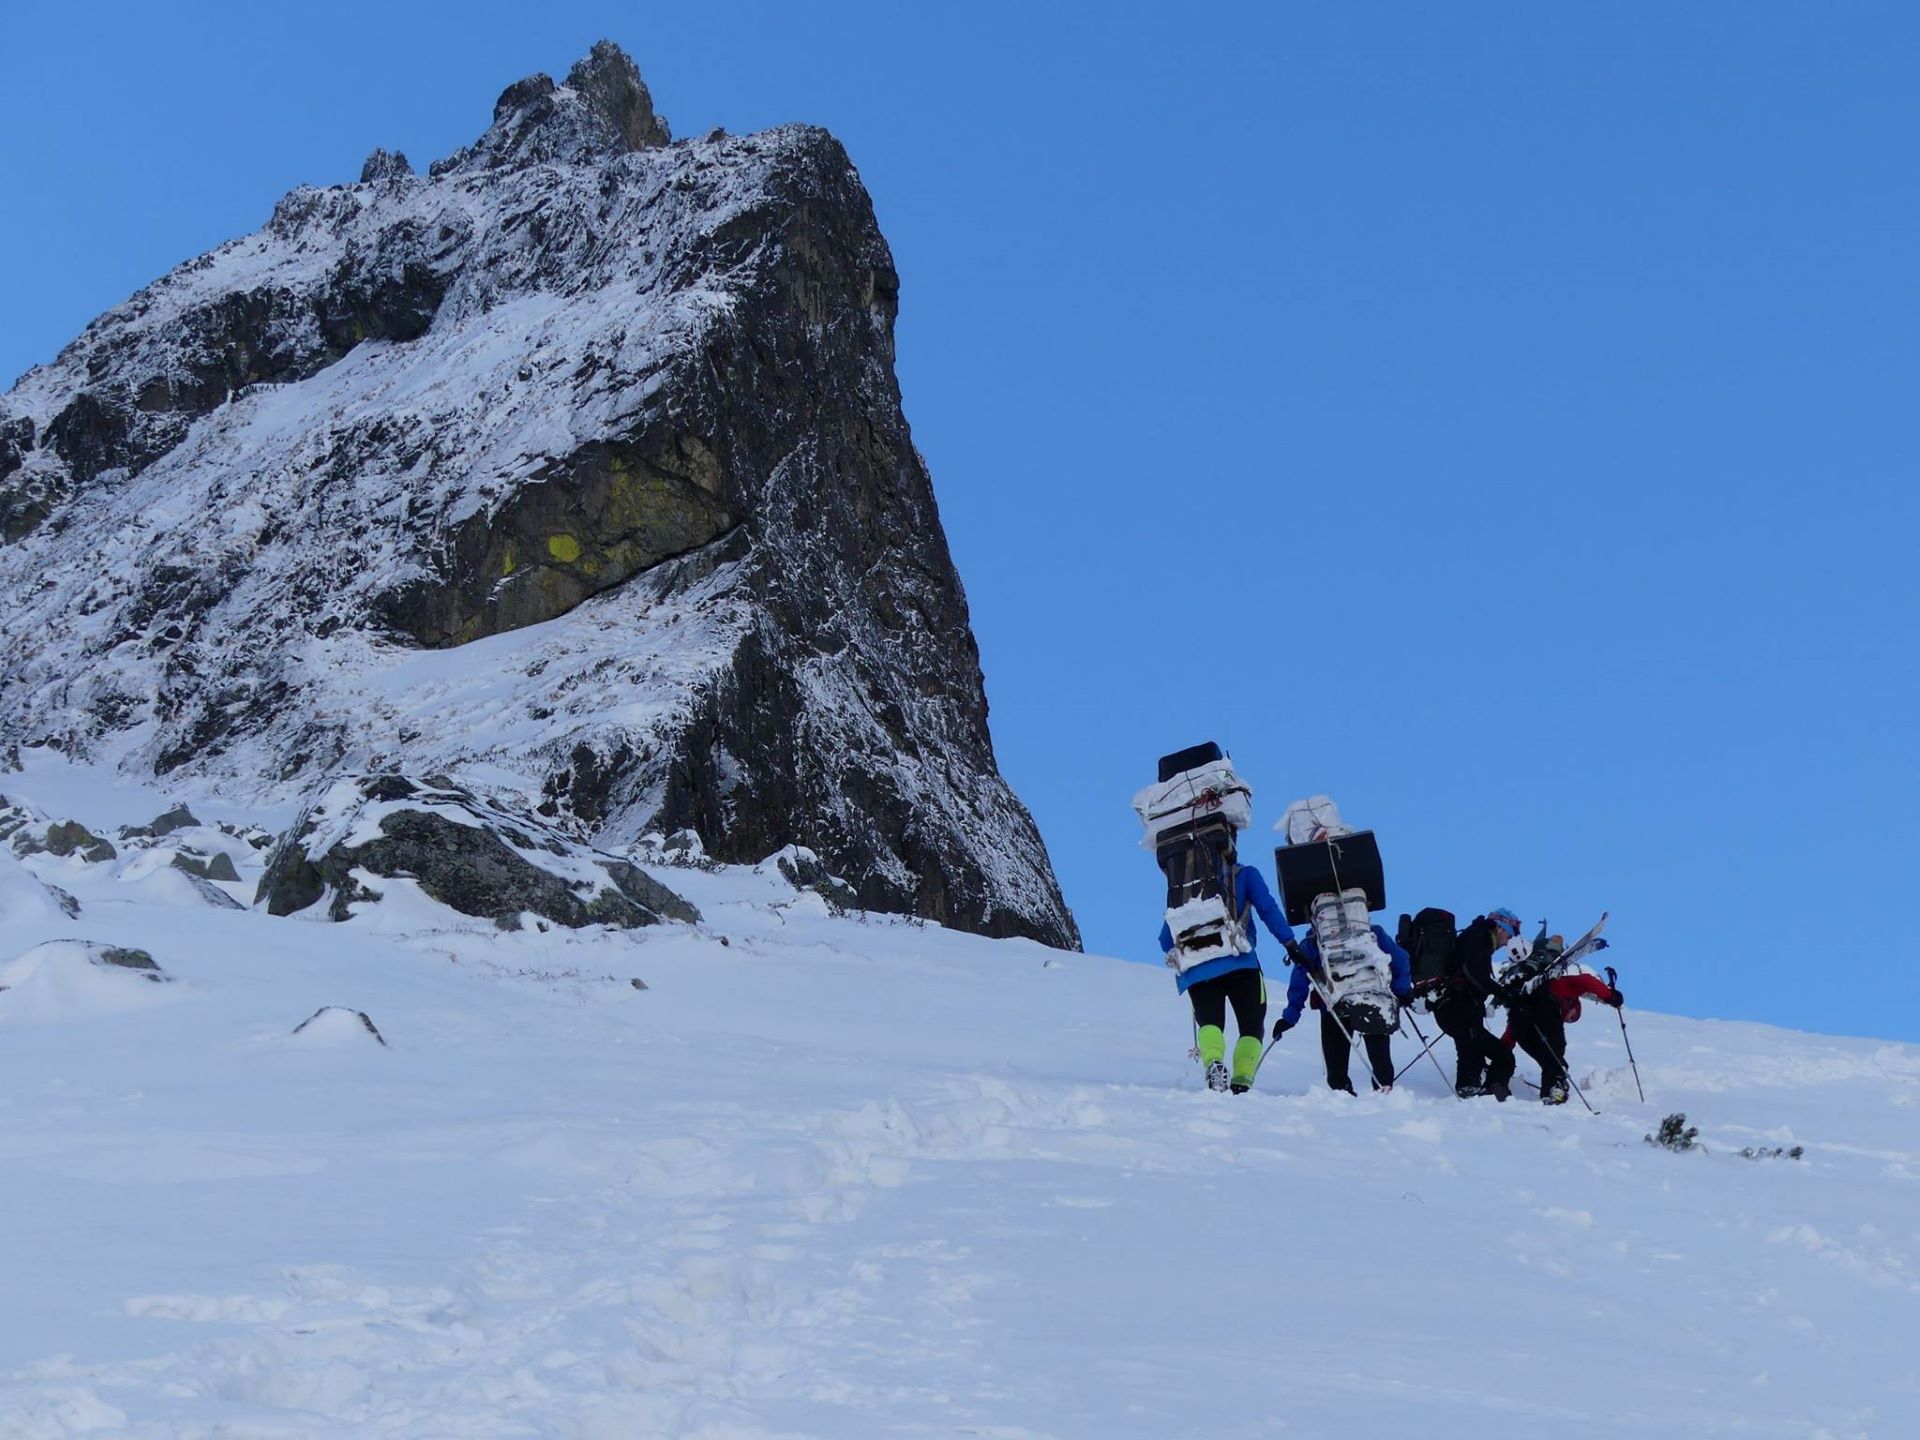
[
  {"x": 385, "y": 165},
  {"x": 604, "y": 110},
  {"x": 582, "y": 485}
]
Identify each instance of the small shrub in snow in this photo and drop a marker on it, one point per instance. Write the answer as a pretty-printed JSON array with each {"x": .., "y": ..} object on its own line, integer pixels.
[{"x": 1675, "y": 1134}]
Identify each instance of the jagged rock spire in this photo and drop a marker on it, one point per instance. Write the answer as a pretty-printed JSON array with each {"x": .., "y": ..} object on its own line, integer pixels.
[
  {"x": 385, "y": 165},
  {"x": 603, "y": 110}
]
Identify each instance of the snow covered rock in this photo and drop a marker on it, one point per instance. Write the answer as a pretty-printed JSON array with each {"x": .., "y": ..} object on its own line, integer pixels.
[
  {"x": 470, "y": 855},
  {"x": 337, "y": 1025},
  {"x": 26, "y": 900},
  {"x": 575, "y": 467},
  {"x": 178, "y": 818},
  {"x": 64, "y": 980},
  {"x": 61, "y": 838}
]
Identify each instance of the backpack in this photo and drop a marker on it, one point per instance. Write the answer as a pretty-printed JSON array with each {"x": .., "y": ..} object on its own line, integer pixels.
[
  {"x": 1429, "y": 939},
  {"x": 1192, "y": 815},
  {"x": 1203, "y": 914}
]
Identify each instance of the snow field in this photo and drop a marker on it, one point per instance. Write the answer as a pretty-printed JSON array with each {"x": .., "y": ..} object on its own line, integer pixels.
[{"x": 849, "y": 1177}]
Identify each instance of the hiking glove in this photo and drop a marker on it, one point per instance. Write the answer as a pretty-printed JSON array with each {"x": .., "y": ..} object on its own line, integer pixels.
[
  {"x": 1281, "y": 1026},
  {"x": 1614, "y": 998},
  {"x": 1296, "y": 955}
]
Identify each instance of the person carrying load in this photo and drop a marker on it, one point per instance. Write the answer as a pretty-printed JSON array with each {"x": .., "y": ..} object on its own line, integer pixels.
[{"x": 1193, "y": 817}]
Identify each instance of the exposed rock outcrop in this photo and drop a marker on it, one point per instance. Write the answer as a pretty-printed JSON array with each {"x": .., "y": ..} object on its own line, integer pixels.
[
  {"x": 461, "y": 851},
  {"x": 577, "y": 465}
]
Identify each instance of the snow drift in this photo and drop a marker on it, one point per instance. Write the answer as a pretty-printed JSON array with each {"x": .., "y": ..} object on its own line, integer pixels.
[{"x": 846, "y": 1175}]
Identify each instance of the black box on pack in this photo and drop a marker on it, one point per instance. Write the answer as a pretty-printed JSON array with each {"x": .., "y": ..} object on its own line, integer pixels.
[
  {"x": 1191, "y": 758},
  {"x": 1323, "y": 867}
]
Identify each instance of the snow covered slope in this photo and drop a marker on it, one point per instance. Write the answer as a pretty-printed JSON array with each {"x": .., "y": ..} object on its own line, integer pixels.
[
  {"x": 843, "y": 1176},
  {"x": 575, "y": 467}
]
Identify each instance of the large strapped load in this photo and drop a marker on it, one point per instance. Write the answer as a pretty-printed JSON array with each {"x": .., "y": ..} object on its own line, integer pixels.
[
  {"x": 1323, "y": 854},
  {"x": 1331, "y": 878},
  {"x": 1191, "y": 817}
]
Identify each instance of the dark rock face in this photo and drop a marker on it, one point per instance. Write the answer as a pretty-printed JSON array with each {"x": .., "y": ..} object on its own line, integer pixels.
[
  {"x": 464, "y": 853},
  {"x": 630, "y": 400}
]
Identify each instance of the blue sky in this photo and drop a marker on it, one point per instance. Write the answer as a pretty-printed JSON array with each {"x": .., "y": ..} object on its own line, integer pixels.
[{"x": 1499, "y": 416}]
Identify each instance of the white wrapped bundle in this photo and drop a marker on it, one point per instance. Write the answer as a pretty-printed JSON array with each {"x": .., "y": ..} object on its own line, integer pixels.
[
  {"x": 1314, "y": 818},
  {"x": 1204, "y": 792}
]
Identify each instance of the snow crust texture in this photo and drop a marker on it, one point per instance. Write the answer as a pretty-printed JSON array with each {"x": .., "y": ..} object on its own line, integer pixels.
[
  {"x": 575, "y": 468},
  {"x": 765, "y": 1197}
]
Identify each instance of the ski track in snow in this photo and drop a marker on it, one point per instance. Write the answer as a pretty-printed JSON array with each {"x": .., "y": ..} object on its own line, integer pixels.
[{"x": 843, "y": 1177}]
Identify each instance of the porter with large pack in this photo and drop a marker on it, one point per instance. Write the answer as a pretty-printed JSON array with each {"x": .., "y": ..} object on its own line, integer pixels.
[
  {"x": 1191, "y": 817},
  {"x": 1331, "y": 879}
]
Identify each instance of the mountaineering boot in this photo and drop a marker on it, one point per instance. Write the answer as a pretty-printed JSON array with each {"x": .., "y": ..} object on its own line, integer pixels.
[
  {"x": 1246, "y": 1060},
  {"x": 1213, "y": 1055},
  {"x": 1469, "y": 1091},
  {"x": 1554, "y": 1093},
  {"x": 1344, "y": 1087},
  {"x": 1498, "y": 1089}
]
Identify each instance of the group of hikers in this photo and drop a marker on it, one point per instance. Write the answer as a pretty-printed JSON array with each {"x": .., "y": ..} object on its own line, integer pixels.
[
  {"x": 1537, "y": 1013},
  {"x": 1208, "y": 940}
]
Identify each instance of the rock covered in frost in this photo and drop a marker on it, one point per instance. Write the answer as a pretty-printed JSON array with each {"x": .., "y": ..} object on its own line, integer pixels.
[
  {"x": 602, "y": 111},
  {"x": 620, "y": 409},
  {"x": 385, "y": 165},
  {"x": 464, "y": 852}
]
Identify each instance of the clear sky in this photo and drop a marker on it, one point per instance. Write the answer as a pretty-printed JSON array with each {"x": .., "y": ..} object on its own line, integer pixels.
[{"x": 1502, "y": 417}]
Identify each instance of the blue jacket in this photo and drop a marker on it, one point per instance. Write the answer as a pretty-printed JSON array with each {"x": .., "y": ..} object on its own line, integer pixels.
[
  {"x": 1299, "y": 986},
  {"x": 1249, "y": 892}
]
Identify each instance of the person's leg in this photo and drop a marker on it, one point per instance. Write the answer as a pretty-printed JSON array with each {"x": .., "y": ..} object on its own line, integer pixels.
[
  {"x": 1209, "y": 999},
  {"x": 1458, "y": 1016},
  {"x": 1247, "y": 991},
  {"x": 1497, "y": 1059},
  {"x": 1380, "y": 1058},
  {"x": 1335, "y": 1047},
  {"x": 1543, "y": 1035}
]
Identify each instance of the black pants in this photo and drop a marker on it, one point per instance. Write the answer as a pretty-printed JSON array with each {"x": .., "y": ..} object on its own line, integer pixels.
[
  {"x": 1479, "y": 1057},
  {"x": 1245, "y": 990},
  {"x": 1334, "y": 1045},
  {"x": 1542, "y": 1033}
]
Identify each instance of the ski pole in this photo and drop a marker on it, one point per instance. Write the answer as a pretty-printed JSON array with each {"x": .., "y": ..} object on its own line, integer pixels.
[
  {"x": 1262, "y": 1060},
  {"x": 1426, "y": 1049},
  {"x": 1397, "y": 1074},
  {"x": 1566, "y": 1070},
  {"x": 1619, "y": 1011}
]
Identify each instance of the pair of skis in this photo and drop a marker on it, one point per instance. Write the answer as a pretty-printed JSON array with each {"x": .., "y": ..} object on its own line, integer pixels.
[{"x": 1540, "y": 962}]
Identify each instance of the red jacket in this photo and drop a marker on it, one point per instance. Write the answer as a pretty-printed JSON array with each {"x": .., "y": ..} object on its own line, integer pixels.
[{"x": 1569, "y": 990}]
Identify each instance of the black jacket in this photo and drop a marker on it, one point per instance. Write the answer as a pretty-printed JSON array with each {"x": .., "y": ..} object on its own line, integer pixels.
[{"x": 1473, "y": 953}]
